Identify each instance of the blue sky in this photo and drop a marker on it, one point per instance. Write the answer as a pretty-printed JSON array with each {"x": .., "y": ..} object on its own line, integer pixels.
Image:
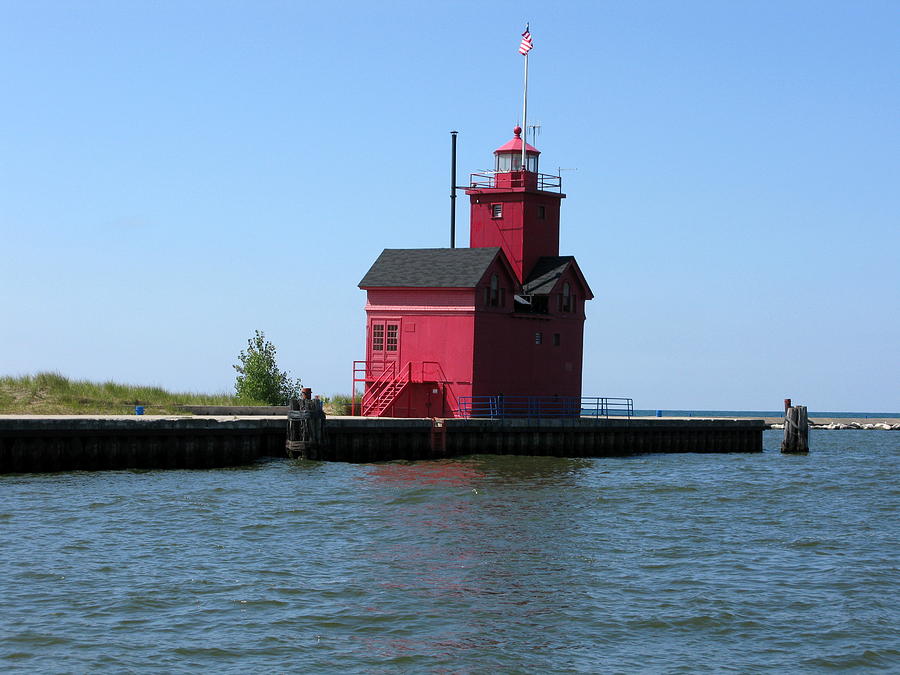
[{"x": 174, "y": 175}]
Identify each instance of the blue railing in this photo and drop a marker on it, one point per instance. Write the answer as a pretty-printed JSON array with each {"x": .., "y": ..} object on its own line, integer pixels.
[{"x": 535, "y": 407}]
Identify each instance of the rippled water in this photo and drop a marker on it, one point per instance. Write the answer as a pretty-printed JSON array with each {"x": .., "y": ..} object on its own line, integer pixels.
[{"x": 675, "y": 563}]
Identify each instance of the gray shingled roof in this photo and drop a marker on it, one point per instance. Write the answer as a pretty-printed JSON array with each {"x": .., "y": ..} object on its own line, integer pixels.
[
  {"x": 545, "y": 273},
  {"x": 429, "y": 267}
]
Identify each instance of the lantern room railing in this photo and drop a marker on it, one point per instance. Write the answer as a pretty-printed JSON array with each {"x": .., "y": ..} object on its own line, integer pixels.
[{"x": 515, "y": 179}]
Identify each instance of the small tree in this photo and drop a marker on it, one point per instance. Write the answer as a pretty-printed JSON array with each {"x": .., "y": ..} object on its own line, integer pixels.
[{"x": 259, "y": 379}]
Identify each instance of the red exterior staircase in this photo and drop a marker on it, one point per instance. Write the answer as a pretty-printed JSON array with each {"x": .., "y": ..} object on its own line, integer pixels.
[
  {"x": 383, "y": 390},
  {"x": 387, "y": 387}
]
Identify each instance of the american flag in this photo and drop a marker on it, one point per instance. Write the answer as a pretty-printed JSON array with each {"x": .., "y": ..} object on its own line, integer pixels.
[{"x": 526, "y": 45}]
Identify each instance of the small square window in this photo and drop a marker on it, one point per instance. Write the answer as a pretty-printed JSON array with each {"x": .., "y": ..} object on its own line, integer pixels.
[
  {"x": 556, "y": 338},
  {"x": 538, "y": 338},
  {"x": 542, "y": 212},
  {"x": 496, "y": 210}
]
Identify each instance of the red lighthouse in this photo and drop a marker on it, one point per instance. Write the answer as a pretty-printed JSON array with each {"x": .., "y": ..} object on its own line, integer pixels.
[{"x": 447, "y": 327}]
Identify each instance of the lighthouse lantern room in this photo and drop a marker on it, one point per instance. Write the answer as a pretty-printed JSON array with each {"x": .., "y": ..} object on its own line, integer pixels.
[{"x": 508, "y": 157}]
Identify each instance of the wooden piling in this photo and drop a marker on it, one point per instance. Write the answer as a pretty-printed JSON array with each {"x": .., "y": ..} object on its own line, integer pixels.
[
  {"x": 305, "y": 427},
  {"x": 796, "y": 430}
]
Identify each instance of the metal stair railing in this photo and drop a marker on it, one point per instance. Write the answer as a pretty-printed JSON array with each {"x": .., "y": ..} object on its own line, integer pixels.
[
  {"x": 374, "y": 390},
  {"x": 382, "y": 393}
]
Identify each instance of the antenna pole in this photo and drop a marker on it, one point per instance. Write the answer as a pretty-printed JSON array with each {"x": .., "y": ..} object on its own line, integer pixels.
[
  {"x": 525, "y": 113},
  {"x": 453, "y": 189}
]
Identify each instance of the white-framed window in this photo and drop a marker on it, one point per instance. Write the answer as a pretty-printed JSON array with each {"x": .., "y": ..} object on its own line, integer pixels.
[
  {"x": 496, "y": 210},
  {"x": 392, "y": 337},
  {"x": 377, "y": 337},
  {"x": 538, "y": 338}
]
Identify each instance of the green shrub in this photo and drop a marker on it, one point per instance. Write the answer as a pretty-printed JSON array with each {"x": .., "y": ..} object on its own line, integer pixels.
[{"x": 259, "y": 379}]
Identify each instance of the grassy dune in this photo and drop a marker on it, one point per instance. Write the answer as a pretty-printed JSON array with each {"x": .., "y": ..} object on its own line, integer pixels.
[{"x": 54, "y": 394}]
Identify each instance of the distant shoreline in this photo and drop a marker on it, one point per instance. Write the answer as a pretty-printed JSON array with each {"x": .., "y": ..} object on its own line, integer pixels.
[
  {"x": 815, "y": 422},
  {"x": 773, "y": 414}
]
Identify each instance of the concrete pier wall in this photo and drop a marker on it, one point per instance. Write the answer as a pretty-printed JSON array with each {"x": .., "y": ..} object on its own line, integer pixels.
[
  {"x": 599, "y": 438},
  {"x": 40, "y": 444},
  {"x": 43, "y": 444}
]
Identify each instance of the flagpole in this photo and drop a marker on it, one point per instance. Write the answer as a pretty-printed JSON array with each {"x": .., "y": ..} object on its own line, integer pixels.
[
  {"x": 525, "y": 113},
  {"x": 525, "y": 47}
]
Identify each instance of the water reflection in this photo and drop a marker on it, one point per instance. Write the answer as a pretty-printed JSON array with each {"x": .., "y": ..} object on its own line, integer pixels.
[
  {"x": 497, "y": 468},
  {"x": 412, "y": 474},
  {"x": 515, "y": 469},
  {"x": 466, "y": 541}
]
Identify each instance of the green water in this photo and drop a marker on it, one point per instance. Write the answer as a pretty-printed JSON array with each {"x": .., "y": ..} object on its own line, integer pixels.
[{"x": 656, "y": 563}]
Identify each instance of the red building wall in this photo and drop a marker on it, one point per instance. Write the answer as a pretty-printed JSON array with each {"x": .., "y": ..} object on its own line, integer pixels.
[
  {"x": 508, "y": 359},
  {"x": 521, "y": 232},
  {"x": 523, "y": 366},
  {"x": 433, "y": 325}
]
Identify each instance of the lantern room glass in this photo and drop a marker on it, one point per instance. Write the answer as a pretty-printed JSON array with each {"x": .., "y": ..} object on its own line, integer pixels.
[{"x": 512, "y": 161}]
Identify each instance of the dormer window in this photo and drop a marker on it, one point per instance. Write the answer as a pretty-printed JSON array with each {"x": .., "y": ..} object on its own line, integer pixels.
[
  {"x": 565, "y": 300},
  {"x": 496, "y": 210},
  {"x": 494, "y": 293}
]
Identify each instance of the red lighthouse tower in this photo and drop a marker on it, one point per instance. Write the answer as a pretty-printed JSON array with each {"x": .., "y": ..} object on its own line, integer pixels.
[
  {"x": 516, "y": 207},
  {"x": 448, "y": 327}
]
